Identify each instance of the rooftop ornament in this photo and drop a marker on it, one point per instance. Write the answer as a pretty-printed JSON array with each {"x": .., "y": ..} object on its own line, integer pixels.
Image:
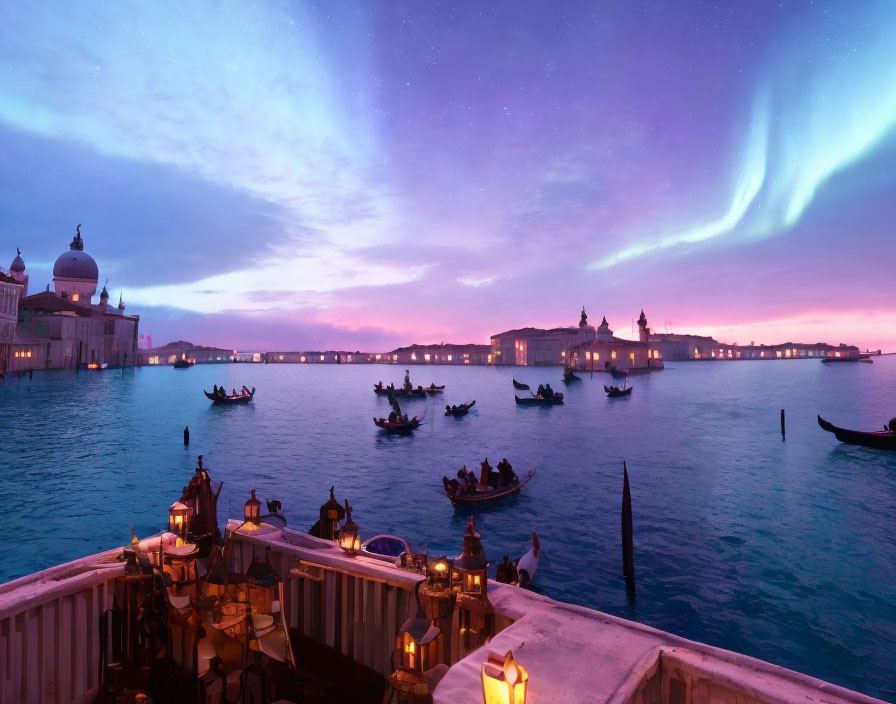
[
  {"x": 350, "y": 534},
  {"x": 77, "y": 242},
  {"x": 503, "y": 680},
  {"x": 438, "y": 589}
]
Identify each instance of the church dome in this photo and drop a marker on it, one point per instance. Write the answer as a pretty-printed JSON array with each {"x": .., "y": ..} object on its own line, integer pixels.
[
  {"x": 75, "y": 264},
  {"x": 18, "y": 264}
]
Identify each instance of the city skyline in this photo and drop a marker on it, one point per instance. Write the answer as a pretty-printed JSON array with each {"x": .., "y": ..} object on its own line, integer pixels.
[{"x": 378, "y": 174}]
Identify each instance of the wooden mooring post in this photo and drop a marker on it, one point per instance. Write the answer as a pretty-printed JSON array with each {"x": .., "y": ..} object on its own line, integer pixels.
[
  {"x": 783, "y": 433},
  {"x": 628, "y": 559}
]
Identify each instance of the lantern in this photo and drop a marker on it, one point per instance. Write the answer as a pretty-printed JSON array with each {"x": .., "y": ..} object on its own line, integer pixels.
[
  {"x": 349, "y": 534},
  {"x": 330, "y": 515},
  {"x": 438, "y": 592},
  {"x": 503, "y": 681},
  {"x": 252, "y": 510},
  {"x": 472, "y": 567},
  {"x": 414, "y": 640},
  {"x": 180, "y": 516}
]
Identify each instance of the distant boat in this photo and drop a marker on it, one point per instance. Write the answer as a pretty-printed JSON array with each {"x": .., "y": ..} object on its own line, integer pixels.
[
  {"x": 617, "y": 391},
  {"x": 94, "y": 365},
  {"x": 521, "y": 387},
  {"x": 183, "y": 364},
  {"x": 433, "y": 389},
  {"x": 617, "y": 374},
  {"x": 554, "y": 400},
  {"x": 861, "y": 358},
  {"x": 569, "y": 375},
  {"x": 243, "y": 397},
  {"x": 880, "y": 440},
  {"x": 461, "y": 410},
  {"x": 397, "y": 427}
]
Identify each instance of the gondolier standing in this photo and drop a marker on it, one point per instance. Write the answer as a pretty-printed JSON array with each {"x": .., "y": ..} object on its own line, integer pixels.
[{"x": 407, "y": 380}]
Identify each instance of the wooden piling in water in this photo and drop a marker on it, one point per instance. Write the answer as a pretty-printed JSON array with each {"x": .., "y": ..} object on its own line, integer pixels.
[
  {"x": 186, "y": 435},
  {"x": 628, "y": 560},
  {"x": 783, "y": 434}
]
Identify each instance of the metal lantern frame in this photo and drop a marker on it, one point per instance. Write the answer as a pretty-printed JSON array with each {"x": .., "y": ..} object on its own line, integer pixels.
[
  {"x": 252, "y": 510},
  {"x": 180, "y": 519},
  {"x": 350, "y": 534}
]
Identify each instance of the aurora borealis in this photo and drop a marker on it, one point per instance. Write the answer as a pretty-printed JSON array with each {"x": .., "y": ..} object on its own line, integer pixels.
[{"x": 364, "y": 175}]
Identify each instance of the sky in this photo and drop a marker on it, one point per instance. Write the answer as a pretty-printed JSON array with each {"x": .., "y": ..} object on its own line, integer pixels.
[{"x": 330, "y": 175}]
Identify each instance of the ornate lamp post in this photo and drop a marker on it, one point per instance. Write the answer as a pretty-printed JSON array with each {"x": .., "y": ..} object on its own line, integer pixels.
[
  {"x": 415, "y": 640},
  {"x": 350, "y": 534},
  {"x": 252, "y": 510},
  {"x": 330, "y": 515},
  {"x": 475, "y": 608},
  {"x": 180, "y": 518}
]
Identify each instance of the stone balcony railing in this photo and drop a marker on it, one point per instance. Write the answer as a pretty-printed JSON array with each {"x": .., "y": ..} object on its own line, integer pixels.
[{"x": 49, "y": 636}]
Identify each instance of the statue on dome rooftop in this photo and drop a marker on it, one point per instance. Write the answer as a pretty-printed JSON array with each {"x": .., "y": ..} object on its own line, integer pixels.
[
  {"x": 77, "y": 242},
  {"x": 584, "y": 320}
]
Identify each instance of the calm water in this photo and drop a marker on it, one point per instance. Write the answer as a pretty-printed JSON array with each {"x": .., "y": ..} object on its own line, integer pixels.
[{"x": 781, "y": 550}]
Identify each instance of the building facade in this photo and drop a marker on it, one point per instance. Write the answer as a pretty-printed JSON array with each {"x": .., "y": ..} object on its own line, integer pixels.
[
  {"x": 65, "y": 328},
  {"x": 183, "y": 350},
  {"x": 537, "y": 346}
]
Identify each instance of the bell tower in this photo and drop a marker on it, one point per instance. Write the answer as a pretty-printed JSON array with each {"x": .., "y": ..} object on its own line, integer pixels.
[{"x": 643, "y": 330}]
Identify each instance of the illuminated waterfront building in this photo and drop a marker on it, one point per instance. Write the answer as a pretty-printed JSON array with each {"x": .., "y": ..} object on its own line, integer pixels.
[{"x": 64, "y": 328}]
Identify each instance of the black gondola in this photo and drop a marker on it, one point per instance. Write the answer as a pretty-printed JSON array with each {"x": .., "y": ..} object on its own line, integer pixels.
[
  {"x": 461, "y": 410},
  {"x": 433, "y": 389},
  {"x": 554, "y": 400},
  {"x": 616, "y": 374},
  {"x": 183, "y": 364},
  {"x": 229, "y": 398},
  {"x": 400, "y": 393},
  {"x": 521, "y": 387},
  {"x": 616, "y": 391},
  {"x": 397, "y": 427},
  {"x": 880, "y": 440},
  {"x": 478, "y": 496},
  {"x": 569, "y": 376}
]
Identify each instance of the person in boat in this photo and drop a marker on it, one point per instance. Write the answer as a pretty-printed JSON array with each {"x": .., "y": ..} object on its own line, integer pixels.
[
  {"x": 407, "y": 380},
  {"x": 506, "y": 572},
  {"x": 245, "y": 390},
  {"x": 215, "y": 390},
  {"x": 548, "y": 391},
  {"x": 447, "y": 408},
  {"x": 540, "y": 392},
  {"x": 392, "y": 417},
  {"x": 378, "y": 385},
  {"x": 505, "y": 471}
]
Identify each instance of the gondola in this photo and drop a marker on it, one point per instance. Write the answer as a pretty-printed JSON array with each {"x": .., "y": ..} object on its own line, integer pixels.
[
  {"x": 833, "y": 360},
  {"x": 433, "y": 389},
  {"x": 616, "y": 392},
  {"x": 397, "y": 427},
  {"x": 480, "y": 496},
  {"x": 183, "y": 364},
  {"x": 521, "y": 387},
  {"x": 554, "y": 400},
  {"x": 616, "y": 374},
  {"x": 880, "y": 440},
  {"x": 400, "y": 393},
  {"x": 239, "y": 398},
  {"x": 570, "y": 376},
  {"x": 461, "y": 410}
]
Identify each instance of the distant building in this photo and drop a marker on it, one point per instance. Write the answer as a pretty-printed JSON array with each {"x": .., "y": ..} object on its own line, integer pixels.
[
  {"x": 182, "y": 350},
  {"x": 581, "y": 347},
  {"x": 440, "y": 354},
  {"x": 538, "y": 346},
  {"x": 684, "y": 347},
  {"x": 65, "y": 329}
]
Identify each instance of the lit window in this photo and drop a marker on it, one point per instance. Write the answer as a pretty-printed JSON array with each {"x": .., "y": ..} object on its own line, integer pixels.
[
  {"x": 302, "y": 358},
  {"x": 466, "y": 361},
  {"x": 762, "y": 354},
  {"x": 349, "y": 358},
  {"x": 413, "y": 356},
  {"x": 631, "y": 356},
  {"x": 449, "y": 357},
  {"x": 613, "y": 354},
  {"x": 378, "y": 357},
  {"x": 29, "y": 354},
  {"x": 563, "y": 353},
  {"x": 466, "y": 356},
  {"x": 778, "y": 354},
  {"x": 426, "y": 356},
  {"x": 394, "y": 357},
  {"x": 587, "y": 355},
  {"x": 489, "y": 359},
  {"x": 76, "y": 297},
  {"x": 696, "y": 352},
  {"x": 281, "y": 358},
  {"x": 596, "y": 356},
  {"x": 656, "y": 354},
  {"x": 321, "y": 358}
]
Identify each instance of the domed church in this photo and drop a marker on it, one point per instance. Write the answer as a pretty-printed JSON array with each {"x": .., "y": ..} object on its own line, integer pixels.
[{"x": 64, "y": 328}]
